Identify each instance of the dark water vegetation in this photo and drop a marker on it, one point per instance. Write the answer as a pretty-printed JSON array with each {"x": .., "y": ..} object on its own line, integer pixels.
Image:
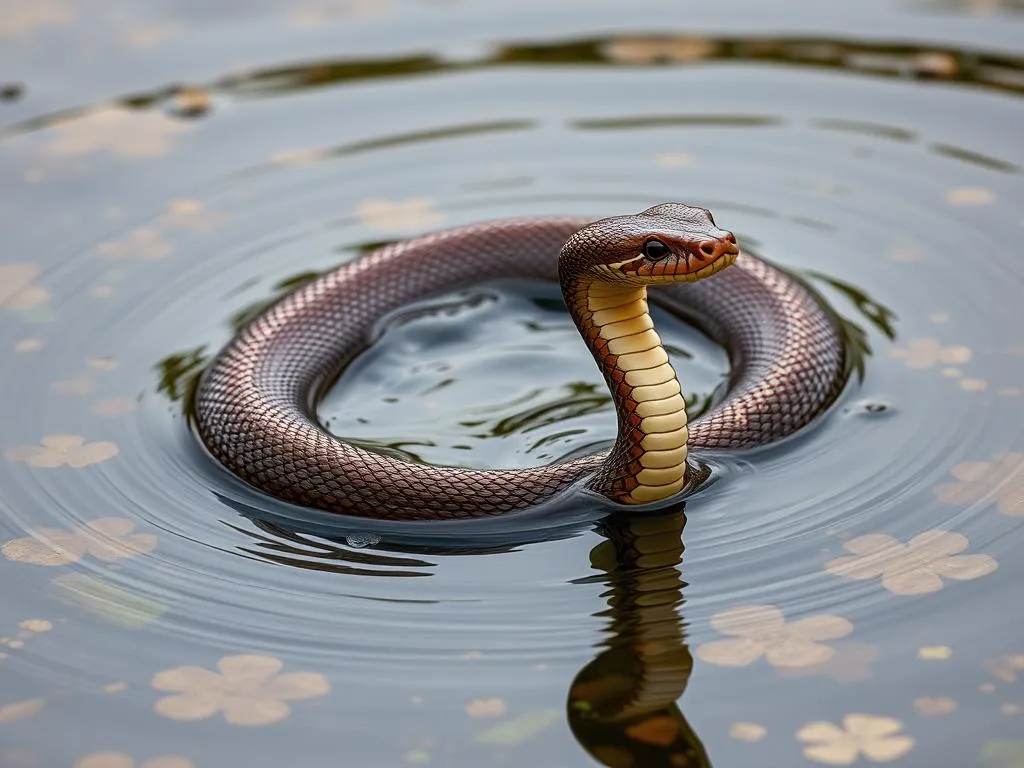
[{"x": 848, "y": 597}]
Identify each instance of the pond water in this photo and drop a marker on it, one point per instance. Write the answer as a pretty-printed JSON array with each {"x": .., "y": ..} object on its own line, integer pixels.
[{"x": 849, "y": 596}]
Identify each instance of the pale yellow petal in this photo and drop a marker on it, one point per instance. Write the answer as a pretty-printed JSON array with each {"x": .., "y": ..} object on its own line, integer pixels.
[
  {"x": 28, "y": 297},
  {"x": 186, "y": 679},
  {"x": 871, "y": 726},
  {"x": 47, "y": 546},
  {"x": 253, "y": 712},
  {"x": 747, "y": 731},
  {"x": 106, "y": 760},
  {"x": 872, "y": 543},
  {"x": 63, "y": 442},
  {"x": 20, "y": 710},
  {"x": 1011, "y": 502},
  {"x": 296, "y": 685},
  {"x": 93, "y": 453},
  {"x": 972, "y": 471},
  {"x": 821, "y": 730},
  {"x": 24, "y": 453},
  {"x": 961, "y": 493},
  {"x": 935, "y": 544},
  {"x": 821, "y": 627},
  {"x": 919, "y": 582},
  {"x": 735, "y": 652},
  {"x": 129, "y": 546},
  {"x": 748, "y": 620},
  {"x": 834, "y": 753},
  {"x": 966, "y": 567},
  {"x": 933, "y": 706},
  {"x": 792, "y": 655},
  {"x": 249, "y": 667},
  {"x": 190, "y": 706},
  {"x": 888, "y": 749},
  {"x": 859, "y": 567},
  {"x": 112, "y": 527}
]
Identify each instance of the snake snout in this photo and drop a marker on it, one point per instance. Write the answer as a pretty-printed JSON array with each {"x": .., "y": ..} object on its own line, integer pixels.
[{"x": 720, "y": 246}]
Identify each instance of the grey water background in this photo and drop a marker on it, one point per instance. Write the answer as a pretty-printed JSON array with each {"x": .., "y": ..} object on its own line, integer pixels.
[{"x": 168, "y": 168}]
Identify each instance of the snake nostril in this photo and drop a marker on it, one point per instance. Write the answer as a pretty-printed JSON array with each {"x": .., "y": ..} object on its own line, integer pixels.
[
  {"x": 707, "y": 248},
  {"x": 730, "y": 237}
]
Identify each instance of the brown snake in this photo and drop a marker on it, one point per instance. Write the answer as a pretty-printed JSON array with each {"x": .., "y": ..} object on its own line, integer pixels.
[{"x": 255, "y": 405}]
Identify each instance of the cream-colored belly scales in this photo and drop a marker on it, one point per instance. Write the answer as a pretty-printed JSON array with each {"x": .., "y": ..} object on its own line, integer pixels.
[{"x": 650, "y": 385}]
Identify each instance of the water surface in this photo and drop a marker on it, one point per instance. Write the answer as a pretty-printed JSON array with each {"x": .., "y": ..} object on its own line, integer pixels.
[{"x": 168, "y": 168}]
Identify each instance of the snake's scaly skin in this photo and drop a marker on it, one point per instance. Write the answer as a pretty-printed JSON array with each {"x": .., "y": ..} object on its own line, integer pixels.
[{"x": 255, "y": 406}]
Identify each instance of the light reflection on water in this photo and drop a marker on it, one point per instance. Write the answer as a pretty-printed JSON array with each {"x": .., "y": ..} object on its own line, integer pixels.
[{"x": 142, "y": 231}]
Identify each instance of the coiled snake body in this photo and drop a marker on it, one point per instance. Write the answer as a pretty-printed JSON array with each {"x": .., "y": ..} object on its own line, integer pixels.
[{"x": 255, "y": 405}]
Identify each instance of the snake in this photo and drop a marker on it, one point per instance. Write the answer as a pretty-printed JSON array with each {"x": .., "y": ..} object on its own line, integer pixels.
[{"x": 255, "y": 403}]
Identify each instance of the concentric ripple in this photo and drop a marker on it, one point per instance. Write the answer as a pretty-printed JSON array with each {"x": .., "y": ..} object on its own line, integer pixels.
[{"x": 144, "y": 231}]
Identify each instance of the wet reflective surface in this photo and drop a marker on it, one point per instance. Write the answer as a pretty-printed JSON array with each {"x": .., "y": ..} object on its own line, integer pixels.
[{"x": 849, "y": 595}]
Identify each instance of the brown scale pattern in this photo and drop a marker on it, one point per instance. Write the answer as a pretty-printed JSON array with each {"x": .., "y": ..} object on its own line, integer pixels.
[{"x": 255, "y": 404}]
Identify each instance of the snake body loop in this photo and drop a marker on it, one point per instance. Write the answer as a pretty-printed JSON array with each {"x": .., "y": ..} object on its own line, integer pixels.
[{"x": 255, "y": 405}]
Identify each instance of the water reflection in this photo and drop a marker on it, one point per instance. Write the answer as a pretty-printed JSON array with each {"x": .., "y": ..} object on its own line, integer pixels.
[{"x": 622, "y": 706}]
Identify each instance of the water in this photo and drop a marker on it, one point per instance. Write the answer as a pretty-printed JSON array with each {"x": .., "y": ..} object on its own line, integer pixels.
[{"x": 872, "y": 147}]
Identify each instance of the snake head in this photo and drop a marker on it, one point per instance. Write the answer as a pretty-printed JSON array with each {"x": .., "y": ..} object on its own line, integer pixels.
[{"x": 669, "y": 243}]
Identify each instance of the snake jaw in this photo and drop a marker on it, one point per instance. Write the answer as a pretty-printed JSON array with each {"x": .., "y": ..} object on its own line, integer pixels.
[{"x": 675, "y": 269}]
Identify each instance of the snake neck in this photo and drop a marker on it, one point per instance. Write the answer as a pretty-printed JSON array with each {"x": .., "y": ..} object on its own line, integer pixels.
[{"x": 648, "y": 461}]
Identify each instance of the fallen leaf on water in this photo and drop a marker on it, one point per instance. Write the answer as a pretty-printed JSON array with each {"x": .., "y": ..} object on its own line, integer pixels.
[
  {"x": 520, "y": 729},
  {"x": 112, "y": 604},
  {"x": 1003, "y": 754}
]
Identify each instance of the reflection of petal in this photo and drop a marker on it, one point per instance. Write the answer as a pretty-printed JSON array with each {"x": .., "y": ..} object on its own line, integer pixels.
[
  {"x": 797, "y": 654},
  {"x": 748, "y": 620},
  {"x": 737, "y": 652},
  {"x": 242, "y": 711},
  {"x": 186, "y": 679},
  {"x": 821, "y": 627},
  {"x": 966, "y": 567},
  {"x": 918, "y": 582},
  {"x": 190, "y": 706},
  {"x": 935, "y": 544},
  {"x": 884, "y": 750},
  {"x": 247, "y": 667},
  {"x": 296, "y": 685},
  {"x": 871, "y": 725}
]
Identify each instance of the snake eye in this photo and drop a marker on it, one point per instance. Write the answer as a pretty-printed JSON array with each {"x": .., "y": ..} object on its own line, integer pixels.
[{"x": 655, "y": 249}]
